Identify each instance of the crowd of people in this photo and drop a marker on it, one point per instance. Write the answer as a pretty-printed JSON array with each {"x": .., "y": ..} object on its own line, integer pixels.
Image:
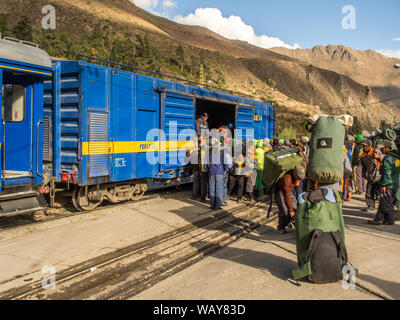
[{"x": 220, "y": 173}]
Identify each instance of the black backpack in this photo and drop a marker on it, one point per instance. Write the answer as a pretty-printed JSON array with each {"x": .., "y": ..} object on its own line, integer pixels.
[{"x": 327, "y": 253}]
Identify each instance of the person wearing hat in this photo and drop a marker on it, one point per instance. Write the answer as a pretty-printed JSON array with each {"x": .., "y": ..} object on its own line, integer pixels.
[
  {"x": 370, "y": 161},
  {"x": 202, "y": 126},
  {"x": 260, "y": 161},
  {"x": 386, "y": 210},
  {"x": 217, "y": 167},
  {"x": 286, "y": 198},
  {"x": 360, "y": 181},
  {"x": 266, "y": 145}
]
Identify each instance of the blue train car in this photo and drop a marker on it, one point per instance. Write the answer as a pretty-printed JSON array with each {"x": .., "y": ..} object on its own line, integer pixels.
[
  {"x": 23, "y": 69},
  {"x": 112, "y": 133}
]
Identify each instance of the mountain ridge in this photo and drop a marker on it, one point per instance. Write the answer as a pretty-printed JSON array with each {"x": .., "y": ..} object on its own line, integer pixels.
[{"x": 303, "y": 86}]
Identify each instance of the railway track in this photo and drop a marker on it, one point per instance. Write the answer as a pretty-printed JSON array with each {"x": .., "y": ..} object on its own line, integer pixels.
[
  {"x": 126, "y": 272},
  {"x": 19, "y": 222}
]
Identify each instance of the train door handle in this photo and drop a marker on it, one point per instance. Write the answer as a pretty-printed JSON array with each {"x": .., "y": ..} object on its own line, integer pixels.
[{"x": 37, "y": 148}]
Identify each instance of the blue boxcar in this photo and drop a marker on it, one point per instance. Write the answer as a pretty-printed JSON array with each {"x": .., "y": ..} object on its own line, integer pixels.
[
  {"x": 97, "y": 122},
  {"x": 82, "y": 125}
]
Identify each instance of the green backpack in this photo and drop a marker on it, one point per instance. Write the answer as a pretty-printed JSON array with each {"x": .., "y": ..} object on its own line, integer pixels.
[
  {"x": 326, "y": 151},
  {"x": 276, "y": 164},
  {"x": 320, "y": 238}
]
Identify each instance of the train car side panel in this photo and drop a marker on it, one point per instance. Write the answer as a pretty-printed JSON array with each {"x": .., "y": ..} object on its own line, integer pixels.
[
  {"x": 146, "y": 118},
  {"x": 122, "y": 125}
]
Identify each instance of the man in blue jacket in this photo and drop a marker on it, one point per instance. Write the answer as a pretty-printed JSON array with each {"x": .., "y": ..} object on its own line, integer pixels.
[{"x": 216, "y": 172}]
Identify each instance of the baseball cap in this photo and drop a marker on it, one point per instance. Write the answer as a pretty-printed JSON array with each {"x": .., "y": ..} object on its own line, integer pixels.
[
  {"x": 367, "y": 142},
  {"x": 205, "y": 115},
  {"x": 360, "y": 137},
  {"x": 301, "y": 172},
  {"x": 384, "y": 144}
]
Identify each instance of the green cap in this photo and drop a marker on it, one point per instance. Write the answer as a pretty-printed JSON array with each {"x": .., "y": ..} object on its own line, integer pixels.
[{"x": 359, "y": 137}]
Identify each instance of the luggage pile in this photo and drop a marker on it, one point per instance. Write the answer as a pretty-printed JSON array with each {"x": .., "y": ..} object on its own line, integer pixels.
[{"x": 321, "y": 250}]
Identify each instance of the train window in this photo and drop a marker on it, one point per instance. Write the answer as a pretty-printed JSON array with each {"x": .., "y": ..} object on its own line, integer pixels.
[{"x": 13, "y": 103}]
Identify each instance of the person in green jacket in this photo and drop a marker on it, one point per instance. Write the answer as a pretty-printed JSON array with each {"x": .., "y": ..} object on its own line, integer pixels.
[
  {"x": 388, "y": 184},
  {"x": 260, "y": 159}
]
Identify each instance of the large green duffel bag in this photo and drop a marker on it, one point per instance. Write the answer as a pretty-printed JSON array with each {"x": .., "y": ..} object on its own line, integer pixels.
[
  {"x": 326, "y": 151},
  {"x": 320, "y": 238},
  {"x": 276, "y": 164}
]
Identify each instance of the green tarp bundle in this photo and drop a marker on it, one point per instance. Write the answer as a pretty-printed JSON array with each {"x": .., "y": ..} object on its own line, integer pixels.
[
  {"x": 326, "y": 151},
  {"x": 276, "y": 164}
]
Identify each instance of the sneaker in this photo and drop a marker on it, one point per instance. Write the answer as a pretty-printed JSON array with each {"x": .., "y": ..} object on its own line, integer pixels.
[
  {"x": 375, "y": 223},
  {"x": 290, "y": 226}
]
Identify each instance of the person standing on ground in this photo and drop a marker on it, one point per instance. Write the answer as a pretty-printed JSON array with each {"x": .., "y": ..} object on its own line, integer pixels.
[
  {"x": 203, "y": 169},
  {"x": 370, "y": 162},
  {"x": 216, "y": 171},
  {"x": 192, "y": 156},
  {"x": 260, "y": 167},
  {"x": 237, "y": 177},
  {"x": 386, "y": 210},
  {"x": 360, "y": 181},
  {"x": 347, "y": 186},
  {"x": 228, "y": 164},
  {"x": 251, "y": 172},
  {"x": 286, "y": 197}
]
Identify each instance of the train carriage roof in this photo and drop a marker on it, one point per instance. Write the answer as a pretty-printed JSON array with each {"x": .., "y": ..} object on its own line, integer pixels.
[{"x": 23, "y": 53}]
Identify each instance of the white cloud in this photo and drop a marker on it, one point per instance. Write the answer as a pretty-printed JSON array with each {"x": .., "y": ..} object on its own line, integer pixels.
[
  {"x": 396, "y": 39},
  {"x": 233, "y": 28},
  {"x": 162, "y": 9},
  {"x": 146, "y": 4},
  {"x": 169, "y": 4},
  {"x": 392, "y": 53}
]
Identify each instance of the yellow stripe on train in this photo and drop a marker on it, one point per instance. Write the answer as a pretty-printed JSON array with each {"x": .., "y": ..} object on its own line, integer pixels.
[{"x": 97, "y": 148}]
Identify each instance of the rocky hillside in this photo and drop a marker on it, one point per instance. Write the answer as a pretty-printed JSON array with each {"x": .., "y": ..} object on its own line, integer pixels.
[
  {"x": 367, "y": 67},
  {"x": 296, "y": 84}
]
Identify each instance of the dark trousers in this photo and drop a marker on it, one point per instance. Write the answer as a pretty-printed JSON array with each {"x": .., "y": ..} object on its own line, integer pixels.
[
  {"x": 203, "y": 185},
  {"x": 371, "y": 193},
  {"x": 196, "y": 184},
  {"x": 283, "y": 211},
  {"x": 361, "y": 183},
  {"x": 386, "y": 212},
  {"x": 239, "y": 180}
]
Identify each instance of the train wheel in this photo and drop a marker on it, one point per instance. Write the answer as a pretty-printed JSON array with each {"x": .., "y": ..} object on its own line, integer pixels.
[
  {"x": 75, "y": 199},
  {"x": 138, "y": 192},
  {"x": 90, "y": 201}
]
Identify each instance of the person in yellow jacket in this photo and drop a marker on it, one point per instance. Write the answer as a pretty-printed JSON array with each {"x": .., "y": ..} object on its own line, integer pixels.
[{"x": 260, "y": 153}]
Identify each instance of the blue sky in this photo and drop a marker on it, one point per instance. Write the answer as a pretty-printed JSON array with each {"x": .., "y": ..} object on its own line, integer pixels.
[{"x": 292, "y": 23}]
